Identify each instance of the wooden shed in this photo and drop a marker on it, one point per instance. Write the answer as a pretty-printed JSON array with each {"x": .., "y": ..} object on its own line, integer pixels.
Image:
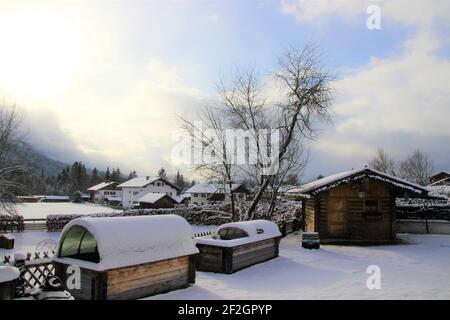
[
  {"x": 357, "y": 205},
  {"x": 127, "y": 257},
  {"x": 156, "y": 201},
  {"x": 238, "y": 245}
]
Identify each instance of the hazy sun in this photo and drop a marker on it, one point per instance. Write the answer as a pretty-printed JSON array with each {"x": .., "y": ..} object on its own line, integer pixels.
[{"x": 40, "y": 52}]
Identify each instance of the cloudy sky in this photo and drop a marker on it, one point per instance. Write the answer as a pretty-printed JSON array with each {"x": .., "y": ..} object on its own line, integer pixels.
[{"x": 105, "y": 81}]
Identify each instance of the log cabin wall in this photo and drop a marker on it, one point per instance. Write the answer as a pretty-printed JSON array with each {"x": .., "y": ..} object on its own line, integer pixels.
[
  {"x": 310, "y": 215},
  {"x": 144, "y": 280},
  {"x": 231, "y": 259},
  {"x": 340, "y": 212},
  {"x": 253, "y": 253},
  {"x": 132, "y": 282}
]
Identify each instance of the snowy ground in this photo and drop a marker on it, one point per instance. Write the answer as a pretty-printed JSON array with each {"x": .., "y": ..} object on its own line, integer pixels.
[
  {"x": 28, "y": 241},
  {"x": 42, "y": 209},
  {"x": 418, "y": 270}
]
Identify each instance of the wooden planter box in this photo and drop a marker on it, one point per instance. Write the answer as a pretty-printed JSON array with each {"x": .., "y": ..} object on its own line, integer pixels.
[
  {"x": 132, "y": 282},
  {"x": 6, "y": 242},
  {"x": 216, "y": 258},
  {"x": 8, "y": 290},
  {"x": 8, "y": 282}
]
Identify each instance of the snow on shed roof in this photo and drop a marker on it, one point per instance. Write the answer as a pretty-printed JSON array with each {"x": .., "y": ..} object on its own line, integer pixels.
[
  {"x": 342, "y": 177},
  {"x": 270, "y": 229},
  {"x": 100, "y": 186},
  {"x": 153, "y": 197},
  {"x": 127, "y": 241}
]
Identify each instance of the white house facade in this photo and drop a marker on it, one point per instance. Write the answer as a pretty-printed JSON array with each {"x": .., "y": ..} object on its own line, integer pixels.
[
  {"x": 134, "y": 189},
  {"x": 205, "y": 193},
  {"x": 105, "y": 191}
]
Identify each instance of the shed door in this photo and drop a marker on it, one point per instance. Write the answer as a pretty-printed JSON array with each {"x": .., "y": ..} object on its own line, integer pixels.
[{"x": 337, "y": 217}]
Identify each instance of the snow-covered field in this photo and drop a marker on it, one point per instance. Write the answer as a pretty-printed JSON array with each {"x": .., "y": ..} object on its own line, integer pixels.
[
  {"x": 42, "y": 209},
  {"x": 418, "y": 270}
]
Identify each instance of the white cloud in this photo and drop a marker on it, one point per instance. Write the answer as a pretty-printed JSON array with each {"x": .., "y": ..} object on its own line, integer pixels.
[
  {"x": 407, "y": 12},
  {"x": 213, "y": 17},
  {"x": 390, "y": 99}
]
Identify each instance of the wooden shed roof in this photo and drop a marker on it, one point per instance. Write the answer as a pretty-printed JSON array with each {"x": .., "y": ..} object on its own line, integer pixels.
[{"x": 335, "y": 180}]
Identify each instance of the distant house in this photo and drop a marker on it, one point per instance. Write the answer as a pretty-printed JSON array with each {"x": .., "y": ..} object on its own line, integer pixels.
[
  {"x": 135, "y": 189},
  {"x": 184, "y": 198},
  {"x": 156, "y": 201},
  {"x": 439, "y": 176},
  {"x": 204, "y": 193},
  {"x": 440, "y": 188},
  {"x": 105, "y": 191},
  {"x": 357, "y": 205}
]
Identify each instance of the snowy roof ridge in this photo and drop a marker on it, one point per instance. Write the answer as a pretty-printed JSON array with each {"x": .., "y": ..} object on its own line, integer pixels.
[
  {"x": 439, "y": 181},
  {"x": 211, "y": 187},
  {"x": 138, "y": 182},
  {"x": 152, "y": 197},
  {"x": 101, "y": 185},
  {"x": 346, "y": 176},
  {"x": 144, "y": 181}
]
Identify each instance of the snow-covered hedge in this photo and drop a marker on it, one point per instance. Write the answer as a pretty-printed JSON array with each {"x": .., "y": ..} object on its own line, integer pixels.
[
  {"x": 11, "y": 223},
  {"x": 423, "y": 208},
  {"x": 212, "y": 214}
]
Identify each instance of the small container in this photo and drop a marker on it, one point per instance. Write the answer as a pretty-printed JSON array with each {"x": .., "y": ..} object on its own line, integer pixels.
[
  {"x": 9, "y": 277},
  {"x": 310, "y": 240}
]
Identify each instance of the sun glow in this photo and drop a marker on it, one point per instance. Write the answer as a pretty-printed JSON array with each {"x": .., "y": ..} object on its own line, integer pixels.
[{"x": 40, "y": 52}]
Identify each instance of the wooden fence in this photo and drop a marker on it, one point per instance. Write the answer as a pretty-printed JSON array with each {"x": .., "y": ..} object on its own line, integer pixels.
[{"x": 35, "y": 269}]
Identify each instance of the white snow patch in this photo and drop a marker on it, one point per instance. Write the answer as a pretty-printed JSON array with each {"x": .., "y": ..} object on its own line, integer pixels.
[
  {"x": 40, "y": 210},
  {"x": 418, "y": 270},
  {"x": 269, "y": 228},
  {"x": 8, "y": 273}
]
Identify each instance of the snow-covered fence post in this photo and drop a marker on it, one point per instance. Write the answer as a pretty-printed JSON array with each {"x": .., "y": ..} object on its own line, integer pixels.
[{"x": 19, "y": 263}]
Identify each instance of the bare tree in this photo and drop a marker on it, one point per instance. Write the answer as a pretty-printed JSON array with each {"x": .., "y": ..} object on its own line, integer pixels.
[
  {"x": 11, "y": 171},
  {"x": 383, "y": 162},
  {"x": 417, "y": 168},
  {"x": 303, "y": 99},
  {"x": 306, "y": 99},
  {"x": 299, "y": 157},
  {"x": 213, "y": 145}
]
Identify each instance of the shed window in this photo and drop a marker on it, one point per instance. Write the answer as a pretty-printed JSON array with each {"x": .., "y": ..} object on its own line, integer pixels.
[
  {"x": 372, "y": 208},
  {"x": 231, "y": 233},
  {"x": 79, "y": 244}
]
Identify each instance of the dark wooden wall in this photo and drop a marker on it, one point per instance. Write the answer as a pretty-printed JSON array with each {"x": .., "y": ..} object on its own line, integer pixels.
[
  {"x": 133, "y": 282},
  {"x": 339, "y": 212},
  {"x": 231, "y": 259}
]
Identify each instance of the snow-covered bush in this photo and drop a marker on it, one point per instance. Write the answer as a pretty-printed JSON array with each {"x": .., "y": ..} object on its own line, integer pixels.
[{"x": 210, "y": 214}]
